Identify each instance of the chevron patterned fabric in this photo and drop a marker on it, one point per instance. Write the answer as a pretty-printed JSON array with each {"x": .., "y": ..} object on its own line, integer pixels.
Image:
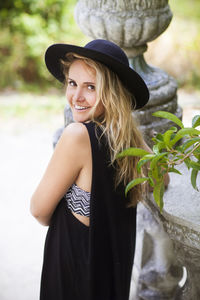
[{"x": 78, "y": 200}]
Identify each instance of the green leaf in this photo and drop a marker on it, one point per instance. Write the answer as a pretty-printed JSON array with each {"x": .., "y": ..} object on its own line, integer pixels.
[
  {"x": 155, "y": 173},
  {"x": 151, "y": 182},
  {"x": 189, "y": 131},
  {"x": 132, "y": 152},
  {"x": 173, "y": 128},
  {"x": 179, "y": 149},
  {"x": 135, "y": 182},
  {"x": 158, "y": 193},
  {"x": 156, "y": 159},
  {"x": 198, "y": 149},
  {"x": 194, "y": 179},
  {"x": 196, "y": 153},
  {"x": 196, "y": 121},
  {"x": 189, "y": 143},
  {"x": 158, "y": 147},
  {"x": 187, "y": 162},
  {"x": 183, "y": 132},
  {"x": 169, "y": 116},
  {"x": 148, "y": 156},
  {"x": 151, "y": 178},
  {"x": 178, "y": 157},
  {"x": 167, "y": 136},
  {"x": 159, "y": 137},
  {"x": 195, "y": 165},
  {"x": 141, "y": 162},
  {"x": 173, "y": 170}
]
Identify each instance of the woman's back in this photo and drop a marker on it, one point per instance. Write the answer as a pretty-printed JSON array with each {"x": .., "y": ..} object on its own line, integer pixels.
[
  {"x": 106, "y": 261},
  {"x": 91, "y": 257}
]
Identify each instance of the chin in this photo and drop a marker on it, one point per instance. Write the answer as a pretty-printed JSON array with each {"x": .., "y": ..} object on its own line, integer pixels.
[{"x": 81, "y": 118}]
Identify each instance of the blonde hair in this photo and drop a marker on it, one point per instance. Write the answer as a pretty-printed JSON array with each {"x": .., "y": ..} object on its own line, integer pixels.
[{"x": 117, "y": 123}]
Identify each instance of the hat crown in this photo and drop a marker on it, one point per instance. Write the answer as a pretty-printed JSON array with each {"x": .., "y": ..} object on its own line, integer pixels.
[
  {"x": 106, "y": 53},
  {"x": 108, "y": 48}
]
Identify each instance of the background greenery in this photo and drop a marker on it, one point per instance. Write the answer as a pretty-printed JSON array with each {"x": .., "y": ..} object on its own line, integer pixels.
[
  {"x": 28, "y": 27},
  {"x": 177, "y": 50}
]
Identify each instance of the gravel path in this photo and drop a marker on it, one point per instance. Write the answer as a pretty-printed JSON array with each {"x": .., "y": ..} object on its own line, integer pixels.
[{"x": 25, "y": 151}]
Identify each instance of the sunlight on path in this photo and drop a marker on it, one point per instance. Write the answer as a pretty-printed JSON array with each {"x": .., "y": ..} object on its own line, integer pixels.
[{"x": 23, "y": 159}]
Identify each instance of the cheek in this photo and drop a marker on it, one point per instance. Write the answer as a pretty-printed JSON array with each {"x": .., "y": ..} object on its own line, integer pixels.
[{"x": 91, "y": 99}]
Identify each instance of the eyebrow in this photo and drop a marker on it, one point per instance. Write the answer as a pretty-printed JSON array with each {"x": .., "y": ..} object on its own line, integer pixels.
[{"x": 87, "y": 82}]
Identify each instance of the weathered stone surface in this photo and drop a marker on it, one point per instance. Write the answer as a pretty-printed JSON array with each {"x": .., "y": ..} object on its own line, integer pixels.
[
  {"x": 131, "y": 24},
  {"x": 181, "y": 222},
  {"x": 165, "y": 242},
  {"x": 156, "y": 272},
  {"x": 163, "y": 96},
  {"x": 128, "y": 23}
]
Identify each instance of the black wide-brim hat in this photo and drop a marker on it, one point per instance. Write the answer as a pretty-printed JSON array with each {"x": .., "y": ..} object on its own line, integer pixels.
[{"x": 106, "y": 53}]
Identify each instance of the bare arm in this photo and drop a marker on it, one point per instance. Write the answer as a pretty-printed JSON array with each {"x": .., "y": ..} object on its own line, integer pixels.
[{"x": 64, "y": 167}]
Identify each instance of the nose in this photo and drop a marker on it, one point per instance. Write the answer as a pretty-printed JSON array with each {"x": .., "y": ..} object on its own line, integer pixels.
[{"x": 78, "y": 95}]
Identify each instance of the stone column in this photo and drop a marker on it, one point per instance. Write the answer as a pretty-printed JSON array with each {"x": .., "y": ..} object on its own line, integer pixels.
[
  {"x": 155, "y": 273},
  {"x": 181, "y": 221},
  {"x": 131, "y": 24}
]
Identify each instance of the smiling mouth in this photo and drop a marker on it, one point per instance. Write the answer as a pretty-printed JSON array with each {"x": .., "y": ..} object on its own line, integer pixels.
[{"x": 77, "y": 107}]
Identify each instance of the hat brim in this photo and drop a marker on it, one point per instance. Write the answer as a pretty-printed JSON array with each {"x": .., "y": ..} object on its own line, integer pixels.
[{"x": 130, "y": 78}]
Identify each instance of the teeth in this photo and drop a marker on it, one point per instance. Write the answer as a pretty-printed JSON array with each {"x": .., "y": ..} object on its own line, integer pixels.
[{"x": 80, "y": 107}]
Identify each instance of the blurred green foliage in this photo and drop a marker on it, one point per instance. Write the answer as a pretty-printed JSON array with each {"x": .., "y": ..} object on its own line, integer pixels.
[
  {"x": 24, "y": 107},
  {"x": 186, "y": 9},
  {"x": 187, "y": 13},
  {"x": 28, "y": 27}
]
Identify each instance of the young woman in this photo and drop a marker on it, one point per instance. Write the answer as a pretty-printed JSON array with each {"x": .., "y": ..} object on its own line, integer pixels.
[{"x": 90, "y": 242}]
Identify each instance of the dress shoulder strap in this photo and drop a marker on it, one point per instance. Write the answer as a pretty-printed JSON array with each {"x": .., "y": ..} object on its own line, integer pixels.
[{"x": 98, "y": 141}]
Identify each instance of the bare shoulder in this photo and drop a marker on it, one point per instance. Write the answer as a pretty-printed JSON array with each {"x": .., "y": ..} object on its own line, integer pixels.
[
  {"x": 75, "y": 139},
  {"x": 76, "y": 129},
  {"x": 75, "y": 133}
]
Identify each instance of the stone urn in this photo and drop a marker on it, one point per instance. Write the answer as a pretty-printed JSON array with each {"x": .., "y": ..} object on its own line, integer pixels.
[{"x": 132, "y": 24}]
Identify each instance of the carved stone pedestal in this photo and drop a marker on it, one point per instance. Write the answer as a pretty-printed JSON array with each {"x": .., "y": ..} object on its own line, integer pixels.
[
  {"x": 155, "y": 273},
  {"x": 168, "y": 242},
  {"x": 132, "y": 24}
]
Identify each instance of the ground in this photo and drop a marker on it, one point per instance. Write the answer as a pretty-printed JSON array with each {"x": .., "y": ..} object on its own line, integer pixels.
[{"x": 26, "y": 146}]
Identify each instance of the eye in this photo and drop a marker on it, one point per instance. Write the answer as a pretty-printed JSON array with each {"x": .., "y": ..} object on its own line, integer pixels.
[
  {"x": 71, "y": 82},
  {"x": 91, "y": 87}
]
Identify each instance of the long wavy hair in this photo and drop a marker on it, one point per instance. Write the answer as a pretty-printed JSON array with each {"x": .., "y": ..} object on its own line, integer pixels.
[{"x": 117, "y": 123}]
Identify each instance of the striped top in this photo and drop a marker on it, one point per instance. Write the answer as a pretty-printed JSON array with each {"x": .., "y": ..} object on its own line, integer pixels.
[{"x": 78, "y": 200}]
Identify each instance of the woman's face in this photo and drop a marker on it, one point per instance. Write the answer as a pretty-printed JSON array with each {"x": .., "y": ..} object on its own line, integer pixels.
[{"x": 81, "y": 93}]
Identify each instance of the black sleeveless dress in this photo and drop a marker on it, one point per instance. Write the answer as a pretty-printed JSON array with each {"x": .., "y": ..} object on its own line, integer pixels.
[{"x": 91, "y": 263}]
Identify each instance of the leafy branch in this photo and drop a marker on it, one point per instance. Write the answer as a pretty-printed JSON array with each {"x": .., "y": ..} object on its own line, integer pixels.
[{"x": 167, "y": 154}]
